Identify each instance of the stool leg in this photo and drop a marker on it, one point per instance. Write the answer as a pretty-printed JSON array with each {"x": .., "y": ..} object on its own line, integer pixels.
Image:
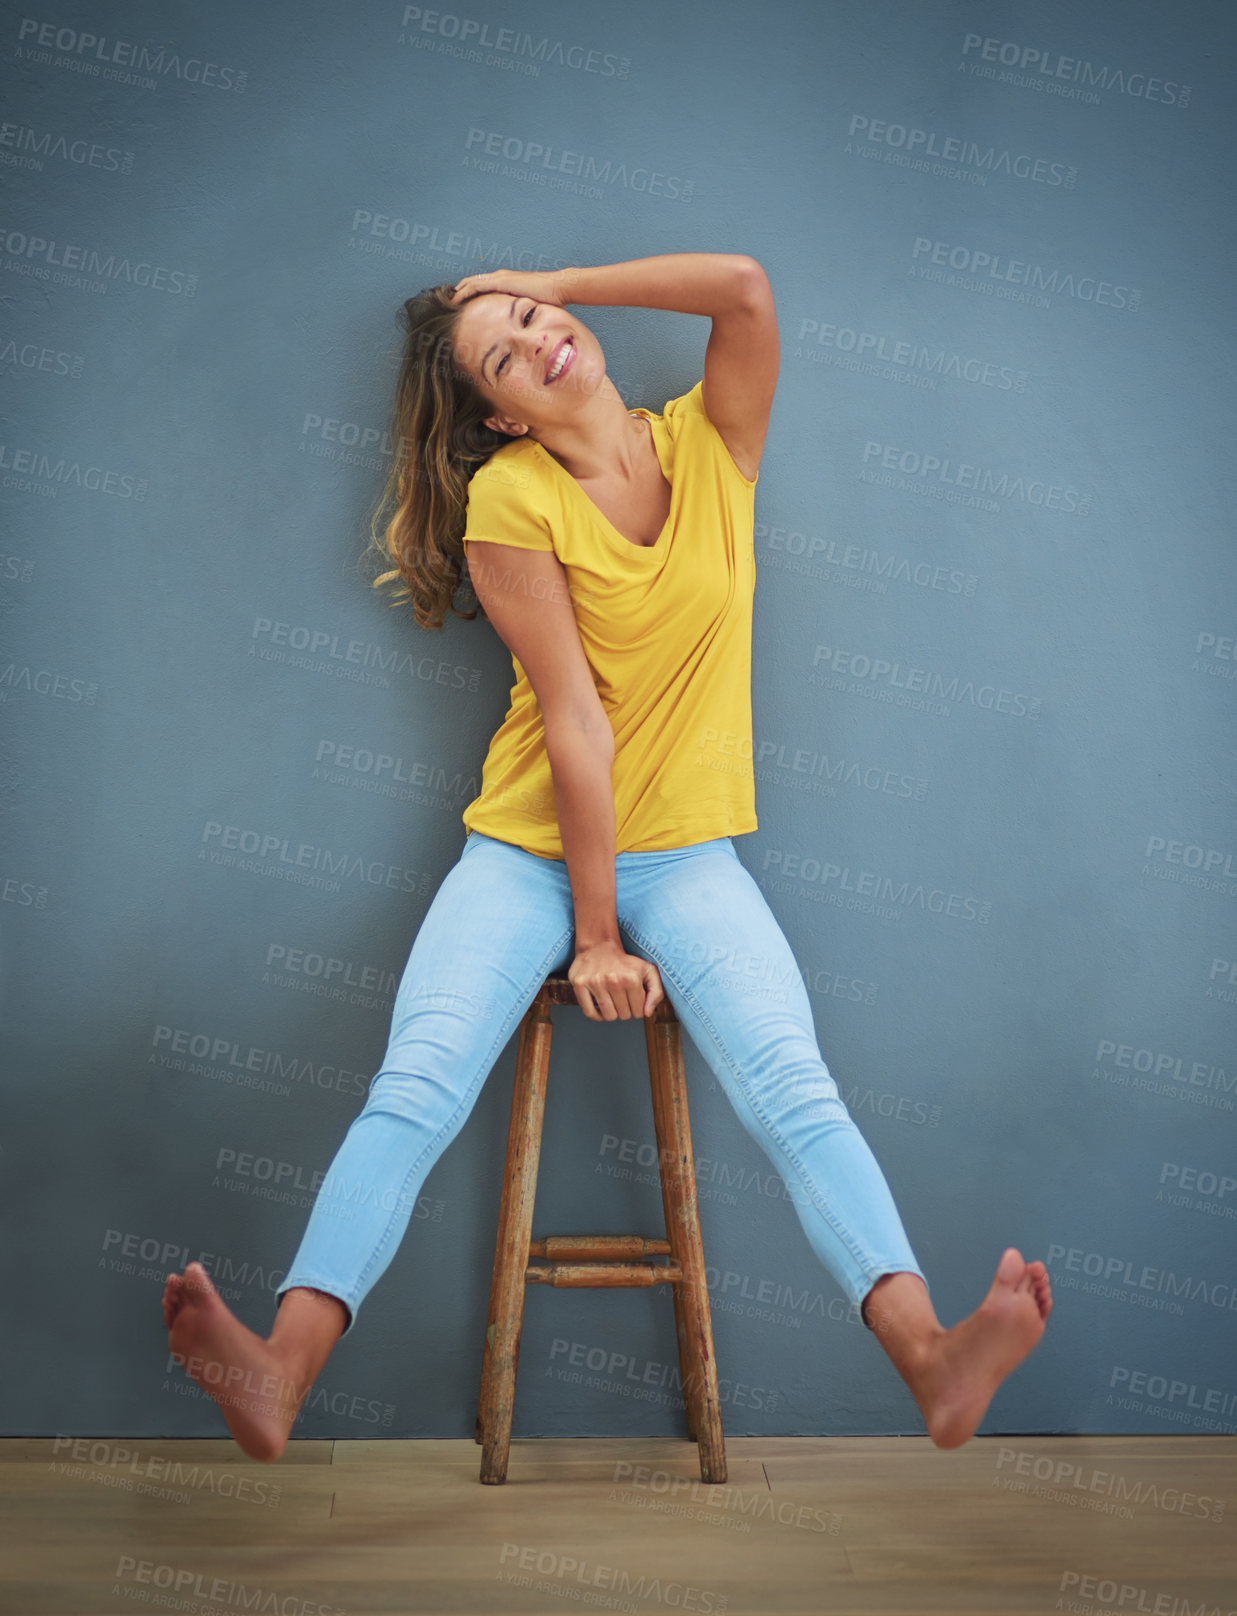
[
  {"x": 515, "y": 1227},
  {"x": 487, "y": 1356},
  {"x": 665, "y": 1165},
  {"x": 665, "y": 1160},
  {"x": 681, "y": 1334},
  {"x": 678, "y": 1175},
  {"x": 665, "y": 1172}
]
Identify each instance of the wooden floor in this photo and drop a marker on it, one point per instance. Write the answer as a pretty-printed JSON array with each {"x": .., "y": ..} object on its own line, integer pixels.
[{"x": 810, "y": 1525}]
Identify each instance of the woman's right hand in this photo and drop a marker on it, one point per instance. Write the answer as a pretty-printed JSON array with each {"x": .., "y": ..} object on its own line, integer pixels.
[
  {"x": 542, "y": 285},
  {"x": 612, "y": 985}
]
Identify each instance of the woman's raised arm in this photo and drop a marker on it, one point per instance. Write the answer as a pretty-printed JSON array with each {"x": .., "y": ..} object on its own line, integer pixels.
[{"x": 742, "y": 358}]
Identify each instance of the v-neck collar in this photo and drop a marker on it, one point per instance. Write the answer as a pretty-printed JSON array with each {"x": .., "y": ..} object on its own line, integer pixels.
[{"x": 657, "y": 548}]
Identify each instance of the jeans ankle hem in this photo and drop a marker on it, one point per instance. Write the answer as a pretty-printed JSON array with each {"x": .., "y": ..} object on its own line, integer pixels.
[{"x": 331, "y": 1287}]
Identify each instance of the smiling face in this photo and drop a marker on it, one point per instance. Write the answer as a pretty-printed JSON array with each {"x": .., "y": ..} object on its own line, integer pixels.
[{"x": 535, "y": 365}]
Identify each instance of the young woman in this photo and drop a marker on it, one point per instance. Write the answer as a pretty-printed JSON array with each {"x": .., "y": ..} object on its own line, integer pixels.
[{"x": 612, "y": 549}]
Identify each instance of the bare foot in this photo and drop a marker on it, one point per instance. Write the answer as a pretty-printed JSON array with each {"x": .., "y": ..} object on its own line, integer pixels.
[
  {"x": 252, "y": 1381},
  {"x": 962, "y": 1367}
]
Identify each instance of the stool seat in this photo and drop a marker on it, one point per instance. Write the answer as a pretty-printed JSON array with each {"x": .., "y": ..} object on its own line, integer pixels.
[{"x": 585, "y": 1260}]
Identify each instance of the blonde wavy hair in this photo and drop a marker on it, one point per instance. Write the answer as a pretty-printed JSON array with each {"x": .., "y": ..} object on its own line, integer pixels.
[{"x": 440, "y": 437}]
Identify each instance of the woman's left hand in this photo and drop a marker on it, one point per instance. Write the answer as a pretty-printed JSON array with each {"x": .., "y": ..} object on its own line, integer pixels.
[{"x": 542, "y": 286}]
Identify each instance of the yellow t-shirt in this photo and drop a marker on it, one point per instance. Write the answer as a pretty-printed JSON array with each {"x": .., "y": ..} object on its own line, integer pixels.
[{"x": 667, "y": 631}]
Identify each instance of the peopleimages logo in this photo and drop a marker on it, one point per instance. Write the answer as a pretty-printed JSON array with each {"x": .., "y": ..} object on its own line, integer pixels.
[
  {"x": 1038, "y": 67},
  {"x": 1140, "y": 1390},
  {"x": 519, "y": 1558},
  {"x": 535, "y": 158},
  {"x": 270, "y": 852},
  {"x": 1114, "y": 1596},
  {"x": 913, "y": 356},
  {"x": 1198, "y": 1189},
  {"x": 179, "y": 1582},
  {"x": 330, "y": 977},
  {"x": 226, "y": 1059},
  {"x": 59, "y": 262},
  {"x": 34, "y": 145},
  {"x": 362, "y": 661},
  {"x": 1067, "y": 1481},
  {"x": 23, "y": 468},
  {"x": 415, "y": 241},
  {"x": 103, "y": 58},
  {"x": 919, "y": 144},
  {"x": 1212, "y": 869},
  {"x": 46, "y": 682},
  {"x": 37, "y": 356},
  {"x": 878, "y": 677},
  {"x": 1224, "y": 973},
  {"x": 976, "y": 269},
  {"x": 858, "y": 567},
  {"x": 1121, "y": 1274},
  {"x": 1204, "y": 1074},
  {"x": 879, "y": 888},
  {"x": 467, "y": 37},
  {"x": 921, "y": 467}
]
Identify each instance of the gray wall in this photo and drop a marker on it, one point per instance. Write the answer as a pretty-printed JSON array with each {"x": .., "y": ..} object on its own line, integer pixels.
[{"x": 994, "y": 678}]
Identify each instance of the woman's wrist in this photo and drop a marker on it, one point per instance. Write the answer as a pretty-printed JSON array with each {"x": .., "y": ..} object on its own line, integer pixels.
[{"x": 565, "y": 283}]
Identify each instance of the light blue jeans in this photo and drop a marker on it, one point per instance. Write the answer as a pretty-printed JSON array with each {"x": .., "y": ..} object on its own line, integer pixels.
[{"x": 501, "y": 921}]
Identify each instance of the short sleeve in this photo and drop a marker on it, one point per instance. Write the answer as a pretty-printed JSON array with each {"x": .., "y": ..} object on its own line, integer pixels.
[
  {"x": 690, "y": 407},
  {"x": 675, "y": 410},
  {"x": 503, "y": 506}
]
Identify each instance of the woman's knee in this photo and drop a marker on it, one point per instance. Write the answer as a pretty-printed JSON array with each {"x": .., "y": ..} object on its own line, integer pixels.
[{"x": 398, "y": 1093}]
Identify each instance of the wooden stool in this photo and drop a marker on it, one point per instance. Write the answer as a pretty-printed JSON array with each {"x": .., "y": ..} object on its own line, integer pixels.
[{"x": 599, "y": 1259}]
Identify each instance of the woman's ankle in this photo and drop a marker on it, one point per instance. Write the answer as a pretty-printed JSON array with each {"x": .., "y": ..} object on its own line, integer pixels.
[
  {"x": 899, "y": 1313},
  {"x": 307, "y": 1326}
]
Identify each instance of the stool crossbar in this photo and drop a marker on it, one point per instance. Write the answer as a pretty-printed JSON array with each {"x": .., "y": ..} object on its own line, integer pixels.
[{"x": 599, "y": 1260}]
